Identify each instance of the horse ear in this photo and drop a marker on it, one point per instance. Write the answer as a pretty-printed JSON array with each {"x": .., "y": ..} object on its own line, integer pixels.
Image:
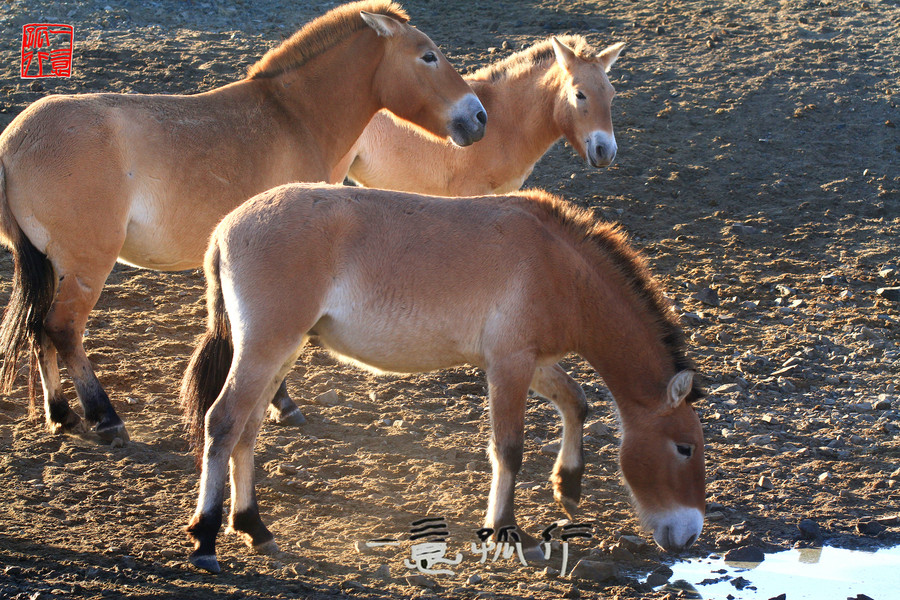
[
  {"x": 679, "y": 387},
  {"x": 609, "y": 55},
  {"x": 565, "y": 56},
  {"x": 382, "y": 24}
]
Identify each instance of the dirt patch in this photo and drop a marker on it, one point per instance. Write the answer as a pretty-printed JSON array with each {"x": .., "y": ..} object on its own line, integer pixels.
[{"x": 757, "y": 168}]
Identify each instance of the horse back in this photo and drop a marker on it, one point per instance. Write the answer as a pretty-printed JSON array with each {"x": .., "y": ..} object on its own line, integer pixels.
[{"x": 389, "y": 271}]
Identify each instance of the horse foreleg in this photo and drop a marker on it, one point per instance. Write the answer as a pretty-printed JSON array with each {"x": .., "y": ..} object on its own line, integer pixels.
[
  {"x": 64, "y": 325},
  {"x": 507, "y": 393},
  {"x": 283, "y": 410},
  {"x": 554, "y": 384},
  {"x": 58, "y": 414}
]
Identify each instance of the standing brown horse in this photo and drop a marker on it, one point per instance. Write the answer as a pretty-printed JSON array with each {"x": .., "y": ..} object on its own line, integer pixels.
[
  {"x": 88, "y": 180},
  {"x": 556, "y": 88},
  {"x": 411, "y": 283}
]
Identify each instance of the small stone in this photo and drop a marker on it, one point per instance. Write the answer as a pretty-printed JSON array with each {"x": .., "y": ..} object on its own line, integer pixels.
[
  {"x": 593, "y": 570},
  {"x": 551, "y": 449},
  {"x": 659, "y": 576},
  {"x": 599, "y": 429},
  {"x": 727, "y": 388},
  {"x": 707, "y": 296},
  {"x": 420, "y": 581},
  {"x": 889, "y": 293},
  {"x": 765, "y": 483},
  {"x": 620, "y": 553},
  {"x": 329, "y": 398},
  {"x": 887, "y": 272},
  {"x": 882, "y": 404},
  {"x": 832, "y": 279},
  {"x": 474, "y": 579},
  {"x": 750, "y": 554},
  {"x": 869, "y": 527},
  {"x": 809, "y": 530},
  {"x": 286, "y": 469},
  {"x": 550, "y": 573},
  {"x": 383, "y": 572},
  {"x": 169, "y": 553},
  {"x": 633, "y": 542},
  {"x": 861, "y": 407}
]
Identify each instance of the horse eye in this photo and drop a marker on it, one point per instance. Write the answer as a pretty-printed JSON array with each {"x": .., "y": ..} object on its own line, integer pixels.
[
  {"x": 429, "y": 57},
  {"x": 685, "y": 450},
  {"x": 580, "y": 95}
]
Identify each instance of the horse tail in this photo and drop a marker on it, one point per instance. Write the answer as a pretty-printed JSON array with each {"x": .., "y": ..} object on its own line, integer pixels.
[
  {"x": 209, "y": 365},
  {"x": 33, "y": 289}
]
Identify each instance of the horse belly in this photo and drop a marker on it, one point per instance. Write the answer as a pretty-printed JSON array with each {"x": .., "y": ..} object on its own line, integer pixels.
[{"x": 400, "y": 341}]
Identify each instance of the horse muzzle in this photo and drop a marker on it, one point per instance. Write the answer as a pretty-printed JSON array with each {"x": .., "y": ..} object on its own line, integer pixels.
[
  {"x": 467, "y": 121},
  {"x": 677, "y": 529},
  {"x": 601, "y": 149}
]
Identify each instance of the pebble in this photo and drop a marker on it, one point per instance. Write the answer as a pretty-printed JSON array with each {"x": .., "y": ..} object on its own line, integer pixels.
[
  {"x": 765, "y": 483},
  {"x": 869, "y": 527},
  {"x": 551, "y": 449},
  {"x": 659, "y": 576},
  {"x": 745, "y": 554},
  {"x": 707, "y": 296},
  {"x": 633, "y": 542},
  {"x": 809, "y": 529},
  {"x": 420, "y": 581},
  {"x": 474, "y": 579},
  {"x": 383, "y": 572},
  {"x": 593, "y": 570},
  {"x": 329, "y": 398},
  {"x": 889, "y": 293},
  {"x": 599, "y": 429}
]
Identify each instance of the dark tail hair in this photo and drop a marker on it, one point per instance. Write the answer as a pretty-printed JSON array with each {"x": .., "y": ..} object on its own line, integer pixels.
[
  {"x": 33, "y": 289},
  {"x": 208, "y": 369}
]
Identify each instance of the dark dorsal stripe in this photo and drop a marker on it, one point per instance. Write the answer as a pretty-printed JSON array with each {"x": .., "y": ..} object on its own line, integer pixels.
[
  {"x": 535, "y": 56},
  {"x": 319, "y": 35}
]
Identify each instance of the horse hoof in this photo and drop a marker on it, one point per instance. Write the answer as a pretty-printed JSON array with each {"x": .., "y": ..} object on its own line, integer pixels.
[
  {"x": 568, "y": 506},
  {"x": 110, "y": 433},
  {"x": 291, "y": 417},
  {"x": 268, "y": 548},
  {"x": 206, "y": 562},
  {"x": 533, "y": 554},
  {"x": 72, "y": 424}
]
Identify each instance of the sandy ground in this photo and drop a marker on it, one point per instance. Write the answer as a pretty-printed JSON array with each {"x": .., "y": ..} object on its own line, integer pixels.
[{"x": 758, "y": 168}]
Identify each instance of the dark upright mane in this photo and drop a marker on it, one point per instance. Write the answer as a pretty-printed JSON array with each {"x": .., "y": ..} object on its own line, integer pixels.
[
  {"x": 535, "y": 56},
  {"x": 321, "y": 34},
  {"x": 610, "y": 241}
]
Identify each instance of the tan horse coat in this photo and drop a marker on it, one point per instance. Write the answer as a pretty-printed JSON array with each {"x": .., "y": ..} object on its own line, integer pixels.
[
  {"x": 408, "y": 283},
  {"x": 557, "y": 88},
  {"x": 88, "y": 180}
]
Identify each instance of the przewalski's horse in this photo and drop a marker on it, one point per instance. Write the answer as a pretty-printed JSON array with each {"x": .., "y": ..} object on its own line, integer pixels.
[
  {"x": 87, "y": 180},
  {"x": 557, "y": 88},
  {"x": 411, "y": 283}
]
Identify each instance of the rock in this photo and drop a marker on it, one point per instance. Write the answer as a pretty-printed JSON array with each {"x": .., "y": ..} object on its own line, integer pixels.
[
  {"x": 832, "y": 279},
  {"x": 550, "y": 573},
  {"x": 593, "y": 570},
  {"x": 727, "y": 388},
  {"x": 882, "y": 404},
  {"x": 860, "y": 407},
  {"x": 600, "y": 429},
  {"x": 707, "y": 296},
  {"x": 765, "y": 483},
  {"x": 633, "y": 543},
  {"x": 659, "y": 576},
  {"x": 420, "y": 581},
  {"x": 383, "y": 572},
  {"x": 889, "y": 293},
  {"x": 784, "y": 290},
  {"x": 809, "y": 530},
  {"x": 329, "y": 398},
  {"x": 474, "y": 579},
  {"x": 868, "y": 527},
  {"x": 750, "y": 554},
  {"x": 551, "y": 449},
  {"x": 741, "y": 229},
  {"x": 620, "y": 553}
]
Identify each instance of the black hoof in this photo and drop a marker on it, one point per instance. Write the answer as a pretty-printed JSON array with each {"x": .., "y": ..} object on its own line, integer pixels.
[
  {"x": 206, "y": 562},
  {"x": 69, "y": 423},
  {"x": 292, "y": 416},
  {"x": 268, "y": 548},
  {"x": 109, "y": 433}
]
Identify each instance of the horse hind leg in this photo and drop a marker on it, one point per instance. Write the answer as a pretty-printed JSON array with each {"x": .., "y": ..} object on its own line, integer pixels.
[
  {"x": 64, "y": 325},
  {"x": 554, "y": 384}
]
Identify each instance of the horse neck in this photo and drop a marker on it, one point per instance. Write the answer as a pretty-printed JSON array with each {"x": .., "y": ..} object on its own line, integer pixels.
[
  {"x": 532, "y": 123},
  {"x": 621, "y": 339},
  {"x": 331, "y": 97}
]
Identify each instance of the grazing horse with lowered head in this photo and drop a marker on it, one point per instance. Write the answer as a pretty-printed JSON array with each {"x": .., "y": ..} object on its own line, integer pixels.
[
  {"x": 87, "y": 180},
  {"x": 410, "y": 283},
  {"x": 556, "y": 88}
]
